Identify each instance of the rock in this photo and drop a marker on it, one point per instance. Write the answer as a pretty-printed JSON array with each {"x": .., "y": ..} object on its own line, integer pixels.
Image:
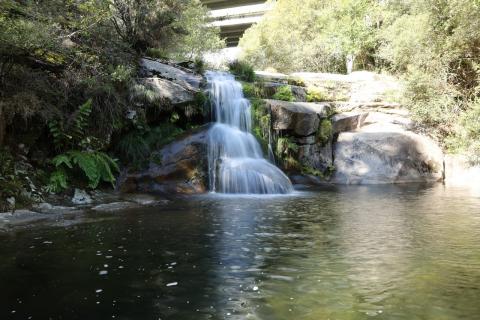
[
  {"x": 181, "y": 76},
  {"x": 358, "y": 86},
  {"x": 348, "y": 121},
  {"x": 20, "y": 218},
  {"x": 145, "y": 199},
  {"x": 369, "y": 157},
  {"x": 115, "y": 206},
  {"x": 270, "y": 88},
  {"x": 170, "y": 91},
  {"x": 81, "y": 197},
  {"x": 316, "y": 156},
  {"x": 460, "y": 173},
  {"x": 180, "y": 167},
  {"x": 47, "y": 208},
  {"x": 300, "y": 118}
]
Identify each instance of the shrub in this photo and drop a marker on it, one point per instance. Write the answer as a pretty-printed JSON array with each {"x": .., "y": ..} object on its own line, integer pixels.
[
  {"x": 316, "y": 95},
  {"x": 284, "y": 93},
  {"x": 242, "y": 70}
]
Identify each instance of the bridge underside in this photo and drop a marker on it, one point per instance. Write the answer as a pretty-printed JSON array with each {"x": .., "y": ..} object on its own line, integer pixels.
[
  {"x": 224, "y": 4},
  {"x": 233, "y": 23}
]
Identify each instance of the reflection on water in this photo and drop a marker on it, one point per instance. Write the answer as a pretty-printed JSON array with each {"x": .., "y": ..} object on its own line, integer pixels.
[{"x": 338, "y": 253}]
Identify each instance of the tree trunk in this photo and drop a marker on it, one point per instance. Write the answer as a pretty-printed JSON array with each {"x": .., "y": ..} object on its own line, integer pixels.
[
  {"x": 350, "y": 61},
  {"x": 3, "y": 126}
]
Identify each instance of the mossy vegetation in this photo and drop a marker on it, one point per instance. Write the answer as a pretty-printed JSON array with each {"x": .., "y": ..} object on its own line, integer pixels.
[
  {"x": 68, "y": 78},
  {"x": 325, "y": 131},
  {"x": 315, "y": 94},
  {"x": 261, "y": 122},
  {"x": 284, "y": 93},
  {"x": 243, "y": 71}
]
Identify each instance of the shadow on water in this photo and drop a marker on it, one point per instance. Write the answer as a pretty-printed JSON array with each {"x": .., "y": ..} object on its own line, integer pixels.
[{"x": 389, "y": 252}]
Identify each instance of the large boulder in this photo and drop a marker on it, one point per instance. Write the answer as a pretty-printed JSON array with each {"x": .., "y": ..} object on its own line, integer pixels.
[
  {"x": 162, "y": 81},
  {"x": 459, "y": 172},
  {"x": 385, "y": 151},
  {"x": 180, "y": 75},
  {"x": 179, "y": 167},
  {"x": 299, "y": 118},
  {"x": 169, "y": 90}
]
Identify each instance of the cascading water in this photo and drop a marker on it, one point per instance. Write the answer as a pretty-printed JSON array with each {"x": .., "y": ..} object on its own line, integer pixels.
[{"x": 235, "y": 158}]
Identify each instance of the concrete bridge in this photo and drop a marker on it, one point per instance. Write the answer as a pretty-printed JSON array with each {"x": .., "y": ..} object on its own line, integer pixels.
[{"x": 235, "y": 16}]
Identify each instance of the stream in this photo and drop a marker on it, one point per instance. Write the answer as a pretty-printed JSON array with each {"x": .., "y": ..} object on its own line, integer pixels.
[{"x": 383, "y": 252}]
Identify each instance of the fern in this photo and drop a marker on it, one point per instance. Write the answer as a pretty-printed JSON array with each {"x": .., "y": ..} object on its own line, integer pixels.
[
  {"x": 58, "y": 181},
  {"x": 68, "y": 135},
  {"x": 96, "y": 166},
  {"x": 80, "y": 120}
]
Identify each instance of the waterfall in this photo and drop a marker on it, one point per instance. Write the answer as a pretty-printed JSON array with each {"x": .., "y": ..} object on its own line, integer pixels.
[{"x": 235, "y": 158}]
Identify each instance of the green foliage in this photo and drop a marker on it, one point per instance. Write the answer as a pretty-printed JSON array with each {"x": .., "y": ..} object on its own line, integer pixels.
[
  {"x": 10, "y": 184},
  {"x": 253, "y": 89},
  {"x": 199, "y": 65},
  {"x": 96, "y": 167},
  {"x": 296, "y": 81},
  {"x": 71, "y": 132},
  {"x": 286, "y": 152},
  {"x": 261, "y": 122},
  {"x": 466, "y": 137},
  {"x": 316, "y": 95},
  {"x": 325, "y": 131},
  {"x": 242, "y": 70},
  {"x": 135, "y": 147},
  {"x": 284, "y": 93},
  {"x": 314, "y": 35},
  {"x": 161, "y": 135}
]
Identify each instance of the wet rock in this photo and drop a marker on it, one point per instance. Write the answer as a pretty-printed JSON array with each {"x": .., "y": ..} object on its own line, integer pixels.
[
  {"x": 300, "y": 118},
  {"x": 145, "y": 199},
  {"x": 179, "y": 167},
  {"x": 20, "y": 218},
  {"x": 81, "y": 197},
  {"x": 48, "y": 208},
  {"x": 115, "y": 206}
]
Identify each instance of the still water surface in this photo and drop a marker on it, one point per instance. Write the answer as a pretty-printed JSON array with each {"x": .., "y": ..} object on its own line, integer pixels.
[{"x": 337, "y": 253}]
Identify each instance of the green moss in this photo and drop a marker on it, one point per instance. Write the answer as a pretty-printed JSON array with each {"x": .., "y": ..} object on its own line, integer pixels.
[
  {"x": 316, "y": 95},
  {"x": 286, "y": 152},
  {"x": 284, "y": 93},
  {"x": 325, "y": 131},
  {"x": 260, "y": 122}
]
